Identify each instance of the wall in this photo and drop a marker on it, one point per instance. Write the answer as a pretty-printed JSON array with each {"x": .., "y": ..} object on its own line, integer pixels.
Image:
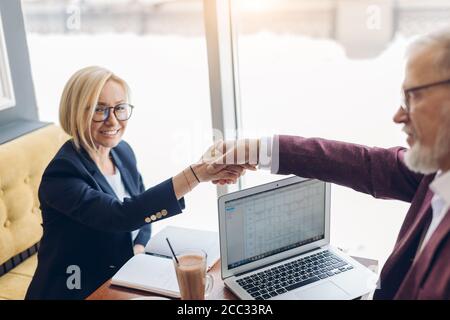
[{"x": 22, "y": 118}]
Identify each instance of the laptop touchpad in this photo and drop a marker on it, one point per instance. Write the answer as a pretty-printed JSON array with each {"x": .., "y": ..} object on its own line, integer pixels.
[{"x": 324, "y": 291}]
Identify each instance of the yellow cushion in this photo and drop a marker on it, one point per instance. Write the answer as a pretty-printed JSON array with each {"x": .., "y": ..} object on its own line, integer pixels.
[
  {"x": 23, "y": 162},
  {"x": 14, "y": 284},
  {"x": 27, "y": 267}
]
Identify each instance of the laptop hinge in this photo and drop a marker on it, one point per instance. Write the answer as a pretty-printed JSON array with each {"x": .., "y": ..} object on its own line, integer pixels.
[{"x": 271, "y": 263}]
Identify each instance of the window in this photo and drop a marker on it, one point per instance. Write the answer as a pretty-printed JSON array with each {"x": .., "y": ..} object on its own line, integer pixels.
[
  {"x": 330, "y": 69},
  {"x": 159, "y": 48},
  {"x": 18, "y": 114},
  {"x": 6, "y": 88}
]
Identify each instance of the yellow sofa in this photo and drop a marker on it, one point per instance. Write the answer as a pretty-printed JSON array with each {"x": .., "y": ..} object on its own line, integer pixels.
[{"x": 22, "y": 162}]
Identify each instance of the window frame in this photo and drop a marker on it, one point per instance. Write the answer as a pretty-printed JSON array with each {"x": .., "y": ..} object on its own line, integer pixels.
[
  {"x": 223, "y": 75},
  {"x": 23, "y": 117},
  {"x": 7, "y": 99}
]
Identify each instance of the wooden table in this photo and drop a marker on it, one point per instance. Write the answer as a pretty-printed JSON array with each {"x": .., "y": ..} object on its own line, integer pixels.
[{"x": 219, "y": 292}]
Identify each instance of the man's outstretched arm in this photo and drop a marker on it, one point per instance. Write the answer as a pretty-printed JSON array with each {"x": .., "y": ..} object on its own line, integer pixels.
[{"x": 379, "y": 172}]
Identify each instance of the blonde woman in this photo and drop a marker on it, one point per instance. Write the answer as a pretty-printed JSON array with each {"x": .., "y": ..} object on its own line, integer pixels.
[{"x": 92, "y": 196}]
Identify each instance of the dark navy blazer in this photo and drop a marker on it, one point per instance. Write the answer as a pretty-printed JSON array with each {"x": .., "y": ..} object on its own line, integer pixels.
[{"x": 86, "y": 227}]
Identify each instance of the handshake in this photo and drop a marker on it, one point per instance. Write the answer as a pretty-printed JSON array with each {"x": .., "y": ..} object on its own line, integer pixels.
[{"x": 226, "y": 161}]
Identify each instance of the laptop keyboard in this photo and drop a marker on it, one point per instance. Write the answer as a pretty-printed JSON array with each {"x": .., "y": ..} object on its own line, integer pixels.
[{"x": 295, "y": 274}]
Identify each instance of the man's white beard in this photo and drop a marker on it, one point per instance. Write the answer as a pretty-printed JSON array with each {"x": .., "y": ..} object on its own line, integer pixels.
[
  {"x": 426, "y": 160},
  {"x": 420, "y": 159}
]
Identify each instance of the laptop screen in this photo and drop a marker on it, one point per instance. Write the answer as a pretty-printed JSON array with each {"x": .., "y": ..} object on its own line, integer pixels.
[{"x": 273, "y": 221}]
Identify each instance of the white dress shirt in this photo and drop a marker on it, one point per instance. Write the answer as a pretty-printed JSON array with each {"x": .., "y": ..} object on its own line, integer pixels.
[
  {"x": 267, "y": 159},
  {"x": 440, "y": 202}
]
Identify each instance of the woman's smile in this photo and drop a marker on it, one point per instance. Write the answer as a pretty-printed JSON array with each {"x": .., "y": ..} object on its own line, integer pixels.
[{"x": 110, "y": 132}]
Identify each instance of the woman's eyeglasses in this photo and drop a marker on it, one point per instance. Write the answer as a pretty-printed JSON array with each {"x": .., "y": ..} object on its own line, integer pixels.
[{"x": 122, "y": 112}]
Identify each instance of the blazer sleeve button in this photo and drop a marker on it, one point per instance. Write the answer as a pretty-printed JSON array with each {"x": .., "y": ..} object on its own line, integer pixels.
[
  {"x": 147, "y": 220},
  {"x": 153, "y": 217},
  {"x": 164, "y": 212},
  {"x": 159, "y": 215}
]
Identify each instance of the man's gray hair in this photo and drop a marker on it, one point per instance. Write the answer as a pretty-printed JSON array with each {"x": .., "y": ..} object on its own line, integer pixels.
[{"x": 440, "y": 40}]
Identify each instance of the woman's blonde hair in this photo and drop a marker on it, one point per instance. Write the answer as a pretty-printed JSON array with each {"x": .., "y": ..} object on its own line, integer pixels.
[{"x": 78, "y": 101}]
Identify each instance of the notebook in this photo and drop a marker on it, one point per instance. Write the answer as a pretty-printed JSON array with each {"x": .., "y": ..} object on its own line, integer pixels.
[
  {"x": 149, "y": 273},
  {"x": 185, "y": 238},
  {"x": 155, "y": 271}
]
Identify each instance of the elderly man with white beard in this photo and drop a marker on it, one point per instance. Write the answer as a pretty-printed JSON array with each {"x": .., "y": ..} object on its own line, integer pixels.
[{"x": 419, "y": 266}]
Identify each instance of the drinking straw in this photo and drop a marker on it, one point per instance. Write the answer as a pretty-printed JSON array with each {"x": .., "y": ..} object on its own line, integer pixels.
[{"x": 171, "y": 249}]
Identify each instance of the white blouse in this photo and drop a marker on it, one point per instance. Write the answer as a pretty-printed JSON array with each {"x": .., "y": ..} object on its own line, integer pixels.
[{"x": 115, "y": 181}]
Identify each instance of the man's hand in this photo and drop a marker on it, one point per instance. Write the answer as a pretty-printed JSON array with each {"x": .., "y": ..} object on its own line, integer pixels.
[
  {"x": 234, "y": 152},
  {"x": 231, "y": 155}
]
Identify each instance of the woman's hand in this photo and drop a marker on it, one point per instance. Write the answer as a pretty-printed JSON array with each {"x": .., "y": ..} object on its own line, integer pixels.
[
  {"x": 138, "y": 249},
  {"x": 229, "y": 173}
]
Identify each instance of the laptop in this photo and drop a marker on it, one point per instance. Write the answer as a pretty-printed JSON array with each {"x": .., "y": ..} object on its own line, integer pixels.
[{"x": 275, "y": 244}]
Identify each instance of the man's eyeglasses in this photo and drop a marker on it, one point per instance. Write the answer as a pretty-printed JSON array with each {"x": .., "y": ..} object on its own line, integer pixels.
[
  {"x": 406, "y": 98},
  {"x": 122, "y": 112}
]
